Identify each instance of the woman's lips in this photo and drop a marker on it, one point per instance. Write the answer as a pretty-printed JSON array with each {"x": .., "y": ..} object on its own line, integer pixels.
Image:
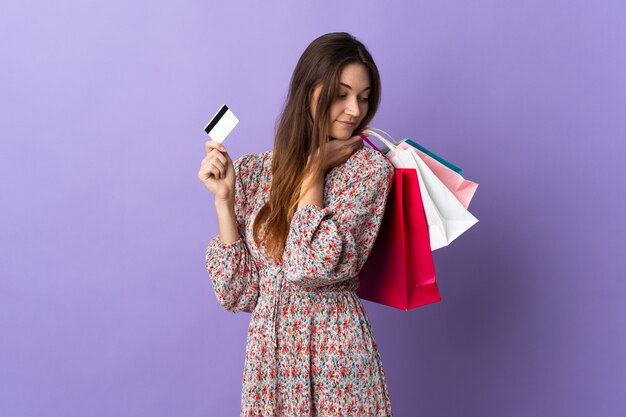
[{"x": 346, "y": 124}]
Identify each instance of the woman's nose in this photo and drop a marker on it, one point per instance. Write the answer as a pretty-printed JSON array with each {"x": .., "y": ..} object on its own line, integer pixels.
[{"x": 353, "y": 109}]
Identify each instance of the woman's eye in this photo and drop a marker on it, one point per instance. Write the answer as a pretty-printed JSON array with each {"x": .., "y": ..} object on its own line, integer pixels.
[{"x": 364, "y": 99}]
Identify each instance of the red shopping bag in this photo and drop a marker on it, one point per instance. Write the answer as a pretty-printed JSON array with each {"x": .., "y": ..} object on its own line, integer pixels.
[{"x": 400, "y": 271}]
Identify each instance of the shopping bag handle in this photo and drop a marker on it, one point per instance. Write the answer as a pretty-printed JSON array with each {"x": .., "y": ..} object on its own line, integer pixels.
[
  {"x": 371, "y": 144},
  {"x": 370, "y": 132},
  {"x": 390, "y": 138}
]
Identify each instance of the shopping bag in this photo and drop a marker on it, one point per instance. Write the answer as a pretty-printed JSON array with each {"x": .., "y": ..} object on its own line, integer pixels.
[
  {"x": 462, "y": 189},
  {"x": 399, "y": 271},
  {"x": 433, "y": 155},
  {"x": 421, "y": 148},
  {"x": 448, "y": 173},
  {"x": 446, "y": 216}
]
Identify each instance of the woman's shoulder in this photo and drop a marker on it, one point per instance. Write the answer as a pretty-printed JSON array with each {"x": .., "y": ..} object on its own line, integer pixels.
[
  {"x": 254, "y": 158},
  {"x": 376, "y": 158},
  {"x": 253, "y": 166},
  {"x": 370, "y": 163}
]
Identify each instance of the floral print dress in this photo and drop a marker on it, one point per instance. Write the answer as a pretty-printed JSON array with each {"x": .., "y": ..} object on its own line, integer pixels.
[{"x": 310, "y": 350}]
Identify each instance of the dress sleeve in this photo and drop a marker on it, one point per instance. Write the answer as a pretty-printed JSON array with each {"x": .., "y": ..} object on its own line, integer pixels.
[
  {"x": 231, "y": 267},
  {"x": 331, "y": 244}
]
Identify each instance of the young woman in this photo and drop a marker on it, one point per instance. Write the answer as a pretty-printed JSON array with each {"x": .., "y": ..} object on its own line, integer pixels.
[{"x": 296, "y": 225}]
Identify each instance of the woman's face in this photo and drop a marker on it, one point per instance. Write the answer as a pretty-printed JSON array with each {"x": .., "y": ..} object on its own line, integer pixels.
[{"x": 350, "y": 105}]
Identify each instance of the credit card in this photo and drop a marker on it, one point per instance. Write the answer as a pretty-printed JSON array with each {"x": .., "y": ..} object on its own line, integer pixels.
[{"x": 221, "y": 124}]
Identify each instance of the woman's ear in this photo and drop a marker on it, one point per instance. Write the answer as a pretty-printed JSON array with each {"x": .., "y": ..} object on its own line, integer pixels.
[{"x": 314, "y": 99}]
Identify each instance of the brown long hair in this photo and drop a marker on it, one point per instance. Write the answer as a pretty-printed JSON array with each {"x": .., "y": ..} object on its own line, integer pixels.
[{"x": 298, "y": 135}]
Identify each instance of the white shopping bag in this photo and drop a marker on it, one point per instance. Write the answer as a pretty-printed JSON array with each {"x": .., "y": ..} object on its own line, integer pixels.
[
  {"x": 462, "y": 189},
  {"x": 447, "y": 217}
]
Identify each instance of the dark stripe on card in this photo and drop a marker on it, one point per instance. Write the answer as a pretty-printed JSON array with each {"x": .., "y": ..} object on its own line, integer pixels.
[{"x": 216, "y": 119}]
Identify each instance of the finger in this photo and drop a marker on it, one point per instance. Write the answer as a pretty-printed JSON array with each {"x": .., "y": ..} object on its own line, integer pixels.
[
  {"x": 219, "y": 164},
  {"x": 215, "y": 171},
  {"x": 218, "y": 155},
  {"x": 206, "y": 168},
  {"x": 223, "y": 167},
  {"x": 356, "y": 138},
  {"x": 213, "y": 144},
  {"x": 350, "y": 148},
  {"x": 208, "y": 161},
  {"x": 205, "y": 173},
  {"x": 211, "y": 167}
]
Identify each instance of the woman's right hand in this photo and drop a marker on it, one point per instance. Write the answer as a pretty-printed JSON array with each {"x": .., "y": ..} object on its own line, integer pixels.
[
  {"x": 217, "y": 172},
  {"x": 337, "y": 152}
]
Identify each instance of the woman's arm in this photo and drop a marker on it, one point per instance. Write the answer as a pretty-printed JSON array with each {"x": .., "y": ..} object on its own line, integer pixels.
[
  {"x": 229, "y": 263},
  {"x": 331, "y": 244},
  {"x": 337, "y": 153},
  {"x": 315, "y": 194},
  {"x": 227, "y": 221}
]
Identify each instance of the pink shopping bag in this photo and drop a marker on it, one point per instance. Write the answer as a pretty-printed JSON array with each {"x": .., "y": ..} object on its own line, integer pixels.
[{"x": 462, "y": 189}]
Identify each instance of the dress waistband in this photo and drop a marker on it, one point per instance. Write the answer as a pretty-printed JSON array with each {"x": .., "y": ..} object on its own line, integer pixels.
[
  {"x": 343, "y": 288},
  {"x": 349, "y": 285}
]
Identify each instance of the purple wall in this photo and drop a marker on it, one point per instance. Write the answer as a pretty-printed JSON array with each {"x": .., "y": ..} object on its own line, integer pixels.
[{"x": 105, "y": 306}]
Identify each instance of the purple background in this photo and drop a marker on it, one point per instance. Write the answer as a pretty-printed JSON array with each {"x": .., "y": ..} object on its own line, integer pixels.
[{"x": 105, "y": 306}]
